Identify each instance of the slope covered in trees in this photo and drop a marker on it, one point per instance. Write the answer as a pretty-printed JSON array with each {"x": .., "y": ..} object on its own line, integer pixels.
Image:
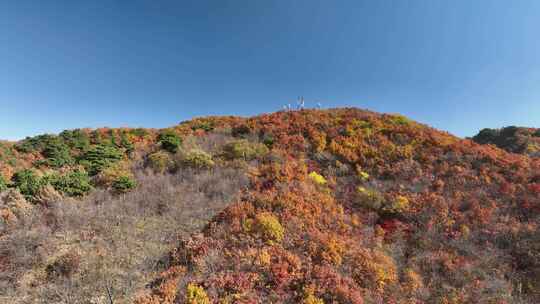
[{"x": 334, "y": 206}]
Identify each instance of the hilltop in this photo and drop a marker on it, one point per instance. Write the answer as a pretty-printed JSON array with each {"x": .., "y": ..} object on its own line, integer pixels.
[{"x": 310, "y": 206}]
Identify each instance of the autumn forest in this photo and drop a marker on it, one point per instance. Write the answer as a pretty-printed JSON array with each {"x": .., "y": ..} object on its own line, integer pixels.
[{"x": 304, "y": 206}]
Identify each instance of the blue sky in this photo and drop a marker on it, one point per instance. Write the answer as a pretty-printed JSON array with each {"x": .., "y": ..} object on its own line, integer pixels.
[{"x": 456, "y": 65}]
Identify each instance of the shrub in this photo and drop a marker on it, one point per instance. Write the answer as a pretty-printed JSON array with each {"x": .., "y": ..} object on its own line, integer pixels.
[
  {"x": 240, "y": 130},
  {"x": 47, "y": 195},
  {"x": 374, "y": 200},
  {"x": 363, "y": 175},
  {"x": 310, "y": 298},
  {"x": 52, "y": 147},
  {"x": 268, "y": 140},
  {"x": 203, "y": 124},
  {"x": 412, "y": 280},
  {"x": 196, "y": 295},
  {"x": 244, "y": 149},
  {"x": 57, "y": 154},
  {"x": 111, "y": 140},
  {"x": 138, "y": 132},
  {"x": 317, "y": 178},
  {"x": 126, "y": 143},
  {"x": 123, "y": 184},
  {"x": 160, "y": 161},
  {"x": 3, "y": 184},
  {"x": 333, "y": 250},
  {"x": 197, "y": 158},
  {"x": 398, "y": 205},
  {"x": 75, "y": 183},
  {"x": 107, "y": 177},
  {"x": 269, "y": 227},
  {"x": 465, "y": 231},
  {"x": 370, "y": 198},
  {"x": 76, "y": 139},
  {"x": 15, "y": 202},
  {"x": 486, "y": 136},
  {"x": 169, "y": 141},
  {"x": 64, "y": 266},
  {"x": 96, "y": 137},
  {"x": 99, "y": 157},
  {"x": 509, "y": 131},
  {"x": 264, "y": 258},
  {"x": 399, "y": 120},
  {"x": 318, "y": 141},
  {"x": 27, "y": 182},
  {"x": 34, "y": 144},
  {"x": 374, "y": 268},
  {"x": 532, "y": 148},
  {"x": 526, "y": 251}
]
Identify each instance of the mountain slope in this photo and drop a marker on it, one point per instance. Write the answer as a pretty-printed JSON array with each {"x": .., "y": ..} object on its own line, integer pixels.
[
  {"x": 357, "y": 207},
  {"x": 333, "y": 206}
]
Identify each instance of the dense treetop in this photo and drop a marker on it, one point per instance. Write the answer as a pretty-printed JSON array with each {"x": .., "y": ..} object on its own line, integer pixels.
[{"x": 512, "y": 139}]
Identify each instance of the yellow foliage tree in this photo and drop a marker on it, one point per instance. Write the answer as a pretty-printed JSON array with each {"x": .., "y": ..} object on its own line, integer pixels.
[
  {"x": 317, "y": 178},
  {"x": 269, "y": 227},
  {"x": 196, "y": 295}
]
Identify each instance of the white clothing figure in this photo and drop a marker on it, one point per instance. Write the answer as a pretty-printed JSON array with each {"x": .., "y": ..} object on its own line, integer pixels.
[{"x": 301, "y": 103}]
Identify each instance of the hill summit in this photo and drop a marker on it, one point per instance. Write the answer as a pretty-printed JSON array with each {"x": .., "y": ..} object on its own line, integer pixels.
[{"x": 309, "y": 206}]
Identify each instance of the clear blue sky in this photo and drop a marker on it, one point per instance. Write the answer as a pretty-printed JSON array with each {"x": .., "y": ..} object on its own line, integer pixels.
[{"x": 456, "y": 65}]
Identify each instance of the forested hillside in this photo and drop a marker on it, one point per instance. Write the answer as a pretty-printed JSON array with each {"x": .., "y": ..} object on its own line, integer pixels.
[
  {"x": 310, "y": 206},
  {"x": 512, "y": 139}
]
